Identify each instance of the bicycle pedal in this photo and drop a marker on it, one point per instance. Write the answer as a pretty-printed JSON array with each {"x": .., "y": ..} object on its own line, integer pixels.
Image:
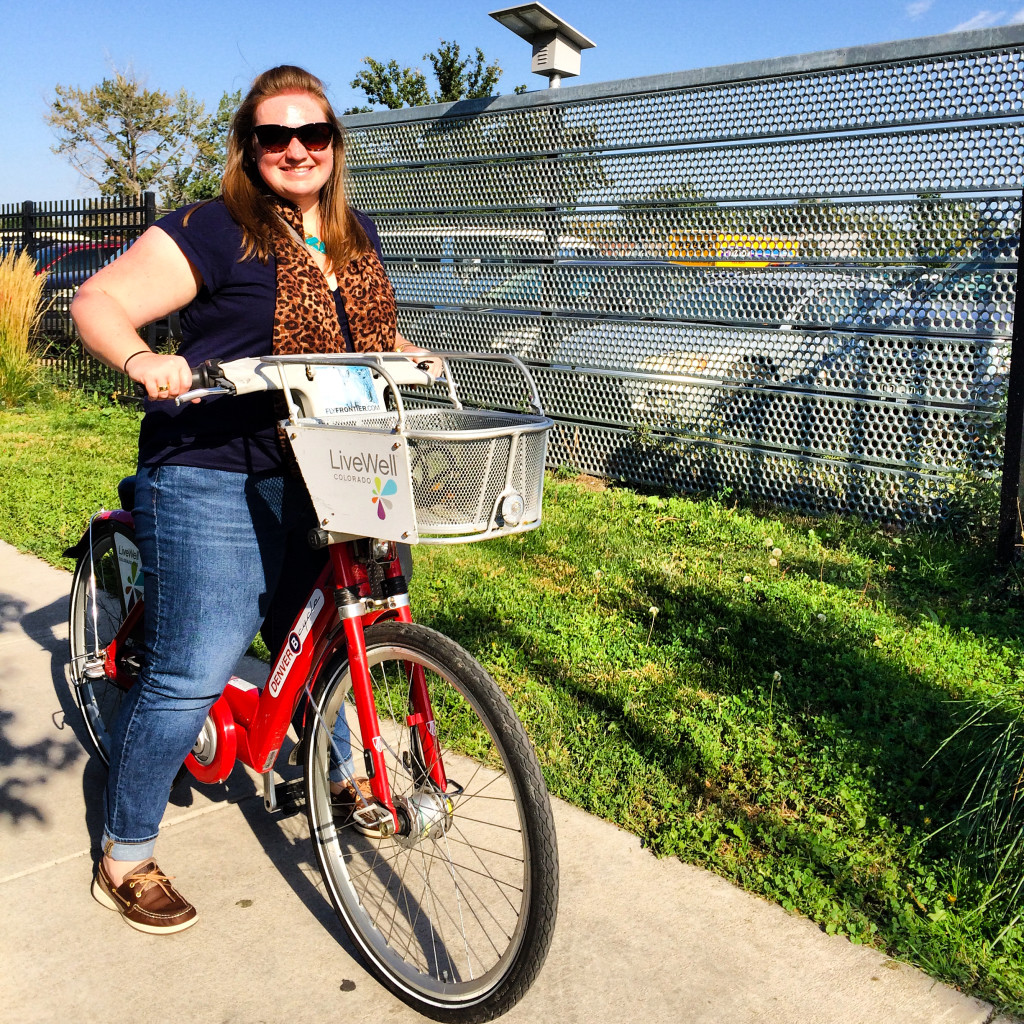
[{"x": 374, "y": 818}]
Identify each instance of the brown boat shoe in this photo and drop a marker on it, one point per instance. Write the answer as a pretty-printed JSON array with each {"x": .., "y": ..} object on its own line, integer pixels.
[
  {"x": 145, "y": 899},
  {"x": 344, "y": 805}
]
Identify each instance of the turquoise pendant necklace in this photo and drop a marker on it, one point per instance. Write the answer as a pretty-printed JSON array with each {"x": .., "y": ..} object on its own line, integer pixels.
[{"x": 314, "y": 243}]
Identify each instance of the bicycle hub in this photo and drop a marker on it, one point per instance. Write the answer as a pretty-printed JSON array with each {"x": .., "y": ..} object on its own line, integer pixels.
[{"x": 425, "y": 814}]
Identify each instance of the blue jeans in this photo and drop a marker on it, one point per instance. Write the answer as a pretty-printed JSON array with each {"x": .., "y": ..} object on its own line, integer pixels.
[{"x": 222, "y": 553}]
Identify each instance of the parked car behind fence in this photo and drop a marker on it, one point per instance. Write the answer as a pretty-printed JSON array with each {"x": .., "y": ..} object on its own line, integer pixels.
[{"x": 67, "y": 266}]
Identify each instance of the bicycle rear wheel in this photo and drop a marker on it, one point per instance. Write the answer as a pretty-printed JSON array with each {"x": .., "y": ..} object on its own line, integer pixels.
[
  {"x": 456, "y": 915},
  {"x": 106, "y": 585}
]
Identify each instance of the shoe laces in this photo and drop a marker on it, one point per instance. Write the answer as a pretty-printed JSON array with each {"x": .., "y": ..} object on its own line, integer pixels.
[
  {"x": 360, "y": 796},
  {"x": 154, "y": 876}
]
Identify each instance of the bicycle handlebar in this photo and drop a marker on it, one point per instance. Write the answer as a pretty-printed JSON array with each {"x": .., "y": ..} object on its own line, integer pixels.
[
  {"x": 207, "y": 375},
  {"x": 244, "y": 376},
  {"x": 298, "y": 376}
]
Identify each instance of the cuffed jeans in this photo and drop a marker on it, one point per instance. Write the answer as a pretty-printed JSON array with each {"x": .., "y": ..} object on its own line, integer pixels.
[{"x": 222, "y": 553}]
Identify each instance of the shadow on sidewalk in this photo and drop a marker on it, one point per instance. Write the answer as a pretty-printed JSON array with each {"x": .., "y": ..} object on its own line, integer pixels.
[
  {"x": 283, "y": 836},
  {"x": 34, "y": 763}
]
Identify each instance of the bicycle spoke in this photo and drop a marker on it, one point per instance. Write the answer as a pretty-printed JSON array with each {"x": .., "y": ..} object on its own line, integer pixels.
[
  {"x": 489, "y": 824},
  {"x": 485, "y": 874}
]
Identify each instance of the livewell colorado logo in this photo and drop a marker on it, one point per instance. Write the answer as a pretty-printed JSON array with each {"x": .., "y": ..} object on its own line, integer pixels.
[
  {"x": 380, "y": 496},
  {"x": 131, "y": 571}
]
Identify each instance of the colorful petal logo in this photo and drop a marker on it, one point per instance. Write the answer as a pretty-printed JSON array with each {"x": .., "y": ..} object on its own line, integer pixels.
[
  {"x": 380, "y": 496},
  {"x": 133, "y": 586}
]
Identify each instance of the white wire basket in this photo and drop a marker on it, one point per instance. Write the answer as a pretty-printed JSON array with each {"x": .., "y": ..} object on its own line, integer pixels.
[{"x": 439, "y": 473}]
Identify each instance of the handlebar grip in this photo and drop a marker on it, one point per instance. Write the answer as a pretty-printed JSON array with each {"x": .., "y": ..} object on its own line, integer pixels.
[{"x": 207, "y": 374}]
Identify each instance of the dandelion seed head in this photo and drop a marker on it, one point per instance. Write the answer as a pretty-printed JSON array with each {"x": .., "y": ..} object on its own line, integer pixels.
[
  {"x": 773, "y": 561},
  {"x": 776, "y": 552},
  {"x": 821, "y": 616},
  {"x": 768, "y": 542},
  {"x": 746, "y": 579},
  {"x": 777, "y": 677},
  {"x": 653, "y": 610}
]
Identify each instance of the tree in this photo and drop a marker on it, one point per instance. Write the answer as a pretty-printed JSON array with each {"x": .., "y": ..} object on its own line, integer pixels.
[
  {"x": 198, "y": 175},
  {"x": 454, "y": 83},
  {"x": 123, "y": 137},
  {"x": 457, "y": 78},
  {"x": 390, "y": 86}
]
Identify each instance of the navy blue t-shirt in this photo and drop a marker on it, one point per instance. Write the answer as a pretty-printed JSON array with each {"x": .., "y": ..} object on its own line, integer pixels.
[{"x": 232, "y": 317}]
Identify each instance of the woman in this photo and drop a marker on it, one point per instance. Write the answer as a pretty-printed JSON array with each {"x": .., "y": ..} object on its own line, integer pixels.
[{"x": 278, "y": 264}]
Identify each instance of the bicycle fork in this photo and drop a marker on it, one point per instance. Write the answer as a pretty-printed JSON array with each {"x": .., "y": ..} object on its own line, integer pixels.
[{"x": 419, "y": 714}]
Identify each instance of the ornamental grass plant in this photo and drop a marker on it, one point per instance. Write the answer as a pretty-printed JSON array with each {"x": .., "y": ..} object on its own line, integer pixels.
[{"x": 21, "y": 310}]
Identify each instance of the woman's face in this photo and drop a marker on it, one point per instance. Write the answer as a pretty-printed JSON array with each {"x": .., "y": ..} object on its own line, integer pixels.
[{"x": 297, "y": 174}]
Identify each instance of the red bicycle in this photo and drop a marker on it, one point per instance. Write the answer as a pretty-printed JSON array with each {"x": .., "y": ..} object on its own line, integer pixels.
[{"x": 447, "y": 878}]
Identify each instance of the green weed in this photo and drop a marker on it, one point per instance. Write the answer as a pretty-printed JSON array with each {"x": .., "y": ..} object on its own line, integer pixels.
[{"x": 60, "y": 461}]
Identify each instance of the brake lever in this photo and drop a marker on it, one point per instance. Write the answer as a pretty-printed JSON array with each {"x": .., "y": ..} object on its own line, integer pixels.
[{"x": 188, "y": 396}]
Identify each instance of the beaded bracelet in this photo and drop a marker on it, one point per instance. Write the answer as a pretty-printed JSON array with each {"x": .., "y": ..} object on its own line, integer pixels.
[{"x": 124, "y": 369}]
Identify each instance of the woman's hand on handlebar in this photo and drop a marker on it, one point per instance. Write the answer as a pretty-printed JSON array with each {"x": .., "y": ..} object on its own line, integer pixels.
[
  {"x": 430, "y": 364},
  {"x": 163, "y": 376}
]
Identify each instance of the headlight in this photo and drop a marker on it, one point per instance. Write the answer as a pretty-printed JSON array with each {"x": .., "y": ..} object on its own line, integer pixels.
[{"x": 511, "y": 509}]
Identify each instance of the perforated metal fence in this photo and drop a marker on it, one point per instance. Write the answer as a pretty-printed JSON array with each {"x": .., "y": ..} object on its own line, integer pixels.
[{"x": 793, "y": 279}]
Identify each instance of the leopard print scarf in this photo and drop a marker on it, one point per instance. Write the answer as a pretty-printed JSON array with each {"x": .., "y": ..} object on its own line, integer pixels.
[{"x": 305, "y": 316}]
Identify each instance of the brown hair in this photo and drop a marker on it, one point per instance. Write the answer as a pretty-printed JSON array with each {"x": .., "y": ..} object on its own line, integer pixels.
[{"x": 246, "y": 193}]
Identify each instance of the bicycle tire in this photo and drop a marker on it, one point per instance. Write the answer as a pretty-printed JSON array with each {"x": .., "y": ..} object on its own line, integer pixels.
[
  {"x": 456, "y": 923},
  {"x": 93, "y": 622}
]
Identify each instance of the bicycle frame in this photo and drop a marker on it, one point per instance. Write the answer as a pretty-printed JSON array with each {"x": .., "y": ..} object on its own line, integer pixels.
[{"x": 249, "y": 725}]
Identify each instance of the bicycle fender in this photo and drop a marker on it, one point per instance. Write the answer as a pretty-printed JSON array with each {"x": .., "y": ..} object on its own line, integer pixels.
[
  {"x": 117, "y": 515},
  {"x": 334, "y": 643}
]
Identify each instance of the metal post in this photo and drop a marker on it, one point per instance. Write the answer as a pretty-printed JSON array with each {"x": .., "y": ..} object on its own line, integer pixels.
[
  {"x": 550, "y": 325},
  {"x": 28, "y": 224},
  {"x": 148, "y": 220},
  {"x": 1011, "y": 501}
]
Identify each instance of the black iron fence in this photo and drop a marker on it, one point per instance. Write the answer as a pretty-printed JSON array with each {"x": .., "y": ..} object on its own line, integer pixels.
[{"x": 70, "y": 240}]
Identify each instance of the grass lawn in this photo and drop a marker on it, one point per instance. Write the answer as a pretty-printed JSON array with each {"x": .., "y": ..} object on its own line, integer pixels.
[{"x": 756, "y": 692}]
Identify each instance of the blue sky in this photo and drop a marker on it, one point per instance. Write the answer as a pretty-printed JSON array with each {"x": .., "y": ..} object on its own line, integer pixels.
[{"x": 209, "y": 46}]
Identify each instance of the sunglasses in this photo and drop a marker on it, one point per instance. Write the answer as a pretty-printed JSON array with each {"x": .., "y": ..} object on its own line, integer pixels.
[{"x": 276, "y": 138}]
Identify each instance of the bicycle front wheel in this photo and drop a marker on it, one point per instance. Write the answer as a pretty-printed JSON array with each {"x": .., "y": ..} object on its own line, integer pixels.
[
  {"x": 106, "y": 585},
  {"x": 455, "y": 912}
]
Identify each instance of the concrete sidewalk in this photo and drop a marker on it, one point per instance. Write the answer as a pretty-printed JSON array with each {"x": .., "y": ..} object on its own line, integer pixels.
[{"x": 638, "y": 939}]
